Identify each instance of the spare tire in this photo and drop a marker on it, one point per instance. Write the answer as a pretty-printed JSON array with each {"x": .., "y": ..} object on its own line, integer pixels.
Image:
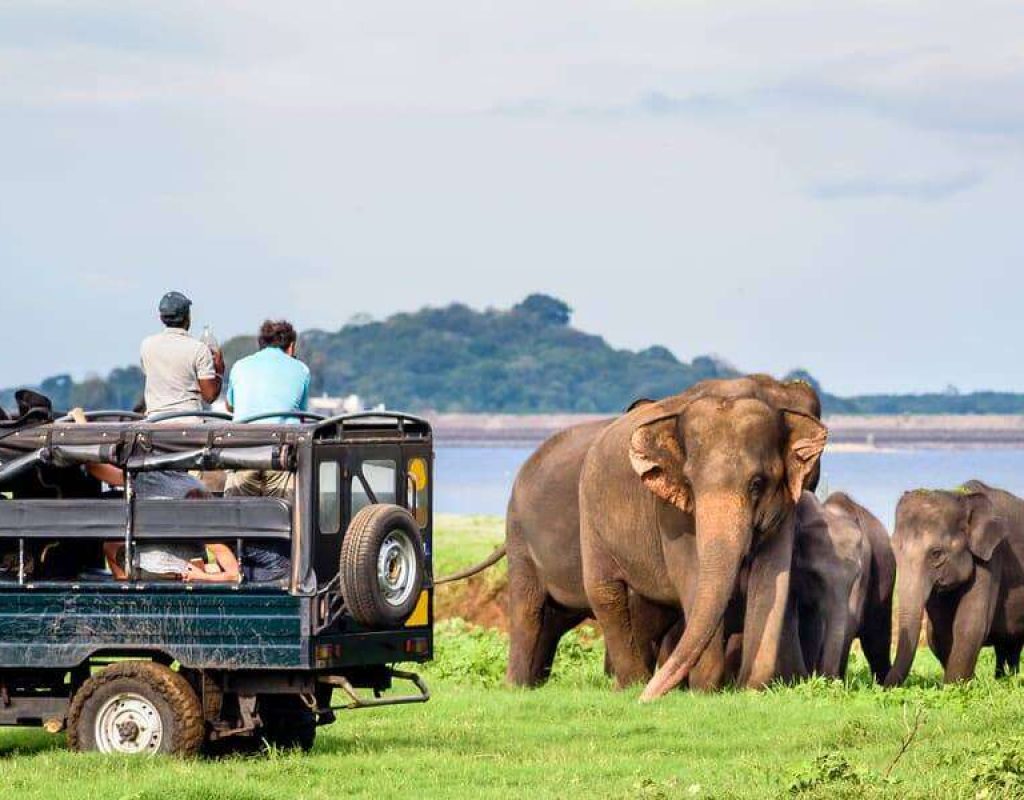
[{"x": 382, "y": 571}]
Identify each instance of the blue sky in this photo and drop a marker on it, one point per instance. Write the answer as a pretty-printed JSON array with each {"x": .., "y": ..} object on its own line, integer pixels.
[{"x": 836, "y": 186}]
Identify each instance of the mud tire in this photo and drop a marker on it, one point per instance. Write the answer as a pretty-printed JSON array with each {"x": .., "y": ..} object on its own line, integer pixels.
[{"x": 180, "y": 711}]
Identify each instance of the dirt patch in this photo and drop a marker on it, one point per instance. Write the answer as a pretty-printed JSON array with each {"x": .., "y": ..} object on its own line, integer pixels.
[{"x": 481, "y": 600}]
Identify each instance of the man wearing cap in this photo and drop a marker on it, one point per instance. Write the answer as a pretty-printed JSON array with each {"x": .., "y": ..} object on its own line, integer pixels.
[{"x": 181, "y": 372}]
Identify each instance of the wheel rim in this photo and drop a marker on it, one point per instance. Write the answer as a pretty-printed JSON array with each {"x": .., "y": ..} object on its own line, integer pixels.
[
  {"x": 396, "y": 568},
  {"x": 128, "y": 723}
]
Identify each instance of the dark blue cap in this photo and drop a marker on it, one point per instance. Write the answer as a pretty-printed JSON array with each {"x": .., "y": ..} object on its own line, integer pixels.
[{"x": 174, "y": 305}]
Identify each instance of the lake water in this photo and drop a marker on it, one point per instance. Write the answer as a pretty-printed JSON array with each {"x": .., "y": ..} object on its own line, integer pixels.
[{"x": 477, "y": 480}]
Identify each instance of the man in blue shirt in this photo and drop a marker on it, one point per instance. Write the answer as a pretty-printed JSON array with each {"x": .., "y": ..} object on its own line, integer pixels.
[{"x": 270, "y": 380}]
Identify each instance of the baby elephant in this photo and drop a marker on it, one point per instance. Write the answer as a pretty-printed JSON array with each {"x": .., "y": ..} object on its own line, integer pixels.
[
  {"x": 959, "y": 555},
  {"x": 843, "y": 577}
]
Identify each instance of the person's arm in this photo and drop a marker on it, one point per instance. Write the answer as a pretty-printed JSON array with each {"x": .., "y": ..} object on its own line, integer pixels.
[
  {"x": 229, "y": 396},
  {"x": 110, "y": 550},
  {"x": 108, "y": 473},
  {"x": 229, "y": 572},
  {"x": 209, "y": 368},
  {"x": 304, "y": 400}
]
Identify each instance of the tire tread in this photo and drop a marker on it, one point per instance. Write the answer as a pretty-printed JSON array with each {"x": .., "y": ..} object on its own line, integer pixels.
[{"x": 189, "y": 728}]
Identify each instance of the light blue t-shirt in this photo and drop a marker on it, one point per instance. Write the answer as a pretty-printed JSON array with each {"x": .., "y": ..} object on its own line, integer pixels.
[{"x": 270, "y": 380}]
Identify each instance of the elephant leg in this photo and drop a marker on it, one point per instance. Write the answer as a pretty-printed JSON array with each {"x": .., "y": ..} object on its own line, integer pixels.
[
  {"x": 733, "y": 657},
  {"x": 609, "y": 599},
  {"x": 610, "y": 602},
  {"x": 1007, "y": 657},
  {"x": 812, "y": 636},
  {"x": 767, "y": 600},
  {"x": 876, "y": 640},
  {"x": 939, "y": 628},
  {"x": 533, "y": 630},
  {"x": 651, "y": 623},
  {"x": 1002, "y": 658},
  {"x": 792, "y": 666},
  {"x": 971, "y": 625},
  {"x": 670, "y": 639},
  {"x": 837, "y": 641},
  {"x": 1013, "y": 650},
  {"x": 557, "y": 622},
  {"x": 708, "y": 674}
]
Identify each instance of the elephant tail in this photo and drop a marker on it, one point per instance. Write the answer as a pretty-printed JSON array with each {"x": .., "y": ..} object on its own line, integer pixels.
[{"x": 469, "y": 572}]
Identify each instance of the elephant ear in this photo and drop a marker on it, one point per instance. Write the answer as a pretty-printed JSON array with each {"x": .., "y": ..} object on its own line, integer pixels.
[
  {"x": 806, "y": 438},
  {"x": 985, "y": 528},
  {"x": 657, "y": 456}
]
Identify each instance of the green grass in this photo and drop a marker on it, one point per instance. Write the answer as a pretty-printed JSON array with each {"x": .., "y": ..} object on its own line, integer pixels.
[
  {"x": 576, "y": 737},
  {"x": 460, "y": 541}
]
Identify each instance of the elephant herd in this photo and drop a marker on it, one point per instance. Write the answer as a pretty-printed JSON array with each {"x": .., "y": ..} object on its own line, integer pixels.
[{"x": 689, "y": 529}]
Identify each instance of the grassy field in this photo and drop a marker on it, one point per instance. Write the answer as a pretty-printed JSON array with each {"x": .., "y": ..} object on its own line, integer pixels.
[{"x": 577, "y": 738}]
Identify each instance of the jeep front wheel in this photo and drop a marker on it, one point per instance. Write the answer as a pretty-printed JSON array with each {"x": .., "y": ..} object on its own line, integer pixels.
[
  {"x": 136, "y": 708},
  {"x": 382, "y": 566}
]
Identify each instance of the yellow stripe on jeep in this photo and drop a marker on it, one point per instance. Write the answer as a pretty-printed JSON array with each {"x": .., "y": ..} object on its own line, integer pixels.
[{"x": 419, "y": 616}]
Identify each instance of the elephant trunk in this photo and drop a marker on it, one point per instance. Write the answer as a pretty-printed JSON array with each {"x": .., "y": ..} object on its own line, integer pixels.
[
  {"x": 913, "y": 590},
  {"x": 723, "y": 540}
]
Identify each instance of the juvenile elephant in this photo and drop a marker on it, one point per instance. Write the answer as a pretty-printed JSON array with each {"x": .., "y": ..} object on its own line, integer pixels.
[
  {"x": 546, "y": 592},
  {"x": 959, "y": 557},
  {"x": 843, "y": 575},
  {"x": 675, "y": 498}
]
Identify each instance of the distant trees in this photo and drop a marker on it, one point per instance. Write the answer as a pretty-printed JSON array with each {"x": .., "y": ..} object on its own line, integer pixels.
[
  {"x": 525, "y": 359},
  {"x": 547, "y": 310}
]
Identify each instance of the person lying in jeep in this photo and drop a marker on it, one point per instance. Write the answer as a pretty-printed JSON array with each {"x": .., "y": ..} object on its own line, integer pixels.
[{"x": 179, "y": 561}]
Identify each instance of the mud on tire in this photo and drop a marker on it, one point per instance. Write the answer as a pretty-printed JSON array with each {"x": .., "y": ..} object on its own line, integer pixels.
[
  {"x": 382, "y": 570},
  {"x": 136, "y": 707}
]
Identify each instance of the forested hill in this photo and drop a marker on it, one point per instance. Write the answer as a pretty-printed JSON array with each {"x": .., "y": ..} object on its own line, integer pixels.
[{"x": 525, "y": 359}]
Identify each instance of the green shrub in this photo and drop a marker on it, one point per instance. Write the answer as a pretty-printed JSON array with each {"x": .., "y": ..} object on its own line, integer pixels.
[
  {"x": 997, "y": 770},
  {"x": 468, "y": 654}
]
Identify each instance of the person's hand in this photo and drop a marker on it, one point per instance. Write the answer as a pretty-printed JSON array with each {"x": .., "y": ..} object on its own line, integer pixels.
[
  {"x": 78, "y": 415},
  {"x": 193, "y": 573},
  {"x": 218, "y": 362}
]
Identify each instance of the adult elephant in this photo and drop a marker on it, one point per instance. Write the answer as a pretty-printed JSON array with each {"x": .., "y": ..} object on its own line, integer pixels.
[
  {"x": 959, "y": 556},
  {"x": 675, "y": 499},
  {"x": 545, "y": 570},
  {"x": 546, "y": 593},
  {"x": 843, "y": 576}
]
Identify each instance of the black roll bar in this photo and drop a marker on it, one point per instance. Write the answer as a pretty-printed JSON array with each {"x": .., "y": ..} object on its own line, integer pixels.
[
  {"x": 111, "y": 413},
  {"x": 399, "y": 416},
  {"x": 221, "y": 415}
]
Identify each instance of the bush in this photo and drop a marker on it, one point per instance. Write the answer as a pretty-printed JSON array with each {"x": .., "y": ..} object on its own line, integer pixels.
[{"x": 998, "y": 769}]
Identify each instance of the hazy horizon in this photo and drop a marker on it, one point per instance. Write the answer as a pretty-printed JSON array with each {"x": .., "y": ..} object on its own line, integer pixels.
[{"x": 784, "y": 184}]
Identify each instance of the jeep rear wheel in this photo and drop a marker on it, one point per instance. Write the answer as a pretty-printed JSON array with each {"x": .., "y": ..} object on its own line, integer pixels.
[
  {"x": 382, "y": 566},
  {"x": 287, "y": 723},
  {"x": 136, "y": 708}
]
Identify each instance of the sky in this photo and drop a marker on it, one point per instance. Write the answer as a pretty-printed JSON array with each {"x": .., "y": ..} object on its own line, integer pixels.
[{"x": 832, "y": 186}]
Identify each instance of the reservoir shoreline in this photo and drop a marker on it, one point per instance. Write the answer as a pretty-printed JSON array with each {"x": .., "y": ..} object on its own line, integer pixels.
[{"x": 846, "y": 432}]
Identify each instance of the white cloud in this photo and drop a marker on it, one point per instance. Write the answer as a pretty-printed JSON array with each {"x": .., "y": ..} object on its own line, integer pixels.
[{"x": 684, "y": 159}]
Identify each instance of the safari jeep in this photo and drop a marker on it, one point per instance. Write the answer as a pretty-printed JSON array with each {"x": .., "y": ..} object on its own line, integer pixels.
[{"x": 146, "y": 665}]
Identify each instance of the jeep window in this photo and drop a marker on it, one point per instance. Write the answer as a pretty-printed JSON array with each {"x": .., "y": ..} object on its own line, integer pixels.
[
  {"x": 330, "y": 505},
  {"x": 374, "y": 483},
  {"x": 418, "y": 497}
]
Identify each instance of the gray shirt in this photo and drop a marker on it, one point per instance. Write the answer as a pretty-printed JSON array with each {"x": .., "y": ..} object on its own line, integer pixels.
[
  {"x": 173, "y": 363},
  {"x": 170, "y": 558}
]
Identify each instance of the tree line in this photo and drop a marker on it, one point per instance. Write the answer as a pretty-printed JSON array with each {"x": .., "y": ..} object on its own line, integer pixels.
[{"x": 527, "y": 359}]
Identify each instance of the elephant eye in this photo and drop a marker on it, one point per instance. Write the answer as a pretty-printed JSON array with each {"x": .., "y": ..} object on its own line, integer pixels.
[
  {"x": 936, "y": 555},
  {"x": 756, "y": 485}
]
